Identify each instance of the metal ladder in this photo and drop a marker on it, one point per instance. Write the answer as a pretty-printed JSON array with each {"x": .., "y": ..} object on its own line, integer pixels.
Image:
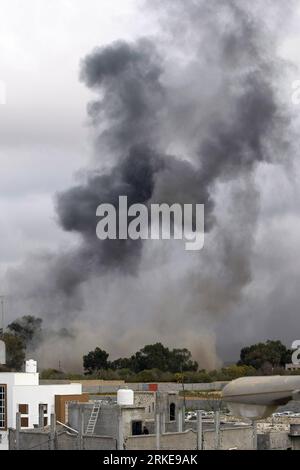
[{"x": 93, "y": 418}]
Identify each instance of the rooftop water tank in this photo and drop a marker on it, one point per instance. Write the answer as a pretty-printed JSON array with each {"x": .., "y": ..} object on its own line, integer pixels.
[
  {"x": 31, "y": 366},
  {"x": 125, "y": 396}
]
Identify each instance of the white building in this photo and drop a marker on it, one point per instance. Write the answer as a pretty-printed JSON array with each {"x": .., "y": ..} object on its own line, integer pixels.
[{"x": 21, "y": 392}]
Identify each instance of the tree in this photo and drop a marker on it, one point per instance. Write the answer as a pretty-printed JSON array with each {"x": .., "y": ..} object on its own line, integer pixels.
[
  {"x": 157, "y": 356},
  {"x": 235, "y": 371},
  {"x": 152, "y": 356},
  {"x": 95, "y": 361},
  {"x": 28, "y": 328},
  {"x": 259, "y": 355},
  {"x": 15, "y": 353},
  {"x": 121, "y": 364},
  {"x": 181, "y": 360}
]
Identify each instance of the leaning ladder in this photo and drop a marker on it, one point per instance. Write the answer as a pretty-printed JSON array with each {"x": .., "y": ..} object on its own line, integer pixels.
[{"x": 93, "y": 418}]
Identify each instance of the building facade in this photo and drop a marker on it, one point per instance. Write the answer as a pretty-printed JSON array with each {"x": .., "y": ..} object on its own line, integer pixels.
[{"x": 20, "y": 392}]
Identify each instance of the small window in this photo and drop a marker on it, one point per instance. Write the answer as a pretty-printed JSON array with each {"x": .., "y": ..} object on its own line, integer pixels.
[
  {"x": 45, "y": 421},
  {"x": 23, "y": 409},
  {"x": 45, "y": 408},
  {"x": 24, "y": 422},
  {"x": 137, "y": 428},
  {"x": 172, "y": 412}
]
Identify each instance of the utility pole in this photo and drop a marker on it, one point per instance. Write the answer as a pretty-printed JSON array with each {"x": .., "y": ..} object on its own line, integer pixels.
[
  {"x": 183, "y": 389},
  {"x": 254, "y": 434},
  {"x": 52, "y": 435},
  {"x": 217, "y": 430},
  {"x": 2, "y": 297},
  {"x": 18, "y": 428},
  {"x": 157, "y": 431},
  {"x": 199, "y": 430}
]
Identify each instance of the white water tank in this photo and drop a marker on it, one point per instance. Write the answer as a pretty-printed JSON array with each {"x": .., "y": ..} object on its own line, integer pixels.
[
  {"x": 125, "y": 396},
  {"x": 31, "y": 366}
]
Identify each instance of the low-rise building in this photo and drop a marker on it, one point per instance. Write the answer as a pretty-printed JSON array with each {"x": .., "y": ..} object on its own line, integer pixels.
[{"x": 21, "y": 392}]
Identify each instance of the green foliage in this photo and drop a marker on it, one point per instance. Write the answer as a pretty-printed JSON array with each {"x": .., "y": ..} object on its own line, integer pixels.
[
  {"x": 95, "y": 361},
  {"x": 15, "y": 354},
  {"x": 157, "y": 356},
  {"x": 152, "y": 375},
  {"x": 235, "y": 371},
  {"x": 150, "y": 357},
  {"x": 28, "y": 329},
  {"x": 265, "y": 355},
  {"x": 52, "y": 374}
]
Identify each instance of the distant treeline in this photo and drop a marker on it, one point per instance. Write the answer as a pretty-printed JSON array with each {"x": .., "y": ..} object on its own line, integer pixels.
[
  {"x": 152, "y": 363},
  {"x": 157, "y": 363}
]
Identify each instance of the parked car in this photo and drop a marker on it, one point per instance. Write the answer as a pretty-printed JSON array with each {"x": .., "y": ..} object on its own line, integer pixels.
[{"x": 288, "y": 413}]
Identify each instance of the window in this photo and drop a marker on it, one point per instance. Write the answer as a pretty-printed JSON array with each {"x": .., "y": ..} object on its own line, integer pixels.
[
  {"x": 24, "y": 422},
  {"x": 45, "y": 408},
  {"x": 172, "y": 412},
  {"x": 2, "y": 406},
  {"x": 23, "y": 409},
  {"x": 45, "y": 421},
  {"x": 137, "y": 428}
]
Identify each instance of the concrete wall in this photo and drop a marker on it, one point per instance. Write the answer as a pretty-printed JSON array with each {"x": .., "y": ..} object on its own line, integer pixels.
[
  {"x": 274, "y": 441},
  {"x": 92, "y": 386},
  {"x": 237, "y": 437},
  {"x": 202, "y": 404},
  {"x": 35, "y": 440},
  {"x": 180, "y": 441},
  {"x": 240, "y": 438},
  {"x": 107, "y": 423},
  {"x": 147, "y": 400},
  {"x": 99, "y": 443},
  {"x": 131, "y": 414},
  {"x": 295, "y": 442},
  {"x": 4, "y": 444},
  {"x": 39, "y": 440}
]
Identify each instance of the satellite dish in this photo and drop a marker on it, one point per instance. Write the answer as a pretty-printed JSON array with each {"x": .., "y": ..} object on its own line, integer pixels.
[{"x": 2, "y": 352}]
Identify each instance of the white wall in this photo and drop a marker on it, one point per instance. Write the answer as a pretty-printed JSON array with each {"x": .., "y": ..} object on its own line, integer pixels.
[
  {"x": 24, "y": 388},
  {"x": 34, "y": 395},
  {"x": 4, "y": 440},
  {"x": 19, "y": 378}
]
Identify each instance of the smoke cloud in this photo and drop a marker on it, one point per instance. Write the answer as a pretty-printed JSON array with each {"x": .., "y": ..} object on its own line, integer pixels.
[{"x": 187, "y": 116}]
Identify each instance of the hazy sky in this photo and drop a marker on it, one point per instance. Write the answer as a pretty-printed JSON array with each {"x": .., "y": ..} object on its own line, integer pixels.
[{"x": 45, "y": 140}]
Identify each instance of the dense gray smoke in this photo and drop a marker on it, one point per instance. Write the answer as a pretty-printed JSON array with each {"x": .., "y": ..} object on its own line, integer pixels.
[{"x": 186, "y": 116}]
